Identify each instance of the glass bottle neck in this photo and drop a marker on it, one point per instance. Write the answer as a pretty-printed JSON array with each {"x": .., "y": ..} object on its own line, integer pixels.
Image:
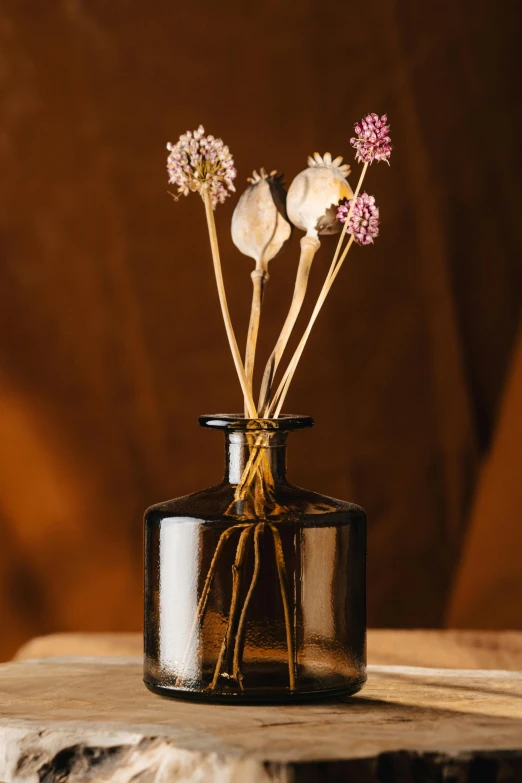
[{"x": 240, "y": 446}]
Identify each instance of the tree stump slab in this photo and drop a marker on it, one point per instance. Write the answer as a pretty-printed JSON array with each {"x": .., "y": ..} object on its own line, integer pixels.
[{"x": 64, "y": 720}]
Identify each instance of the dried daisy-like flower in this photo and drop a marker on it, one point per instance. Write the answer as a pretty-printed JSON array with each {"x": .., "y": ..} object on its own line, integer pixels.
[
  {"x": 197, "y": 161},
  {"x": 372, "y": 141},
  {"x": 315, "y": 193},
  {"x": 364, "y": 220}
]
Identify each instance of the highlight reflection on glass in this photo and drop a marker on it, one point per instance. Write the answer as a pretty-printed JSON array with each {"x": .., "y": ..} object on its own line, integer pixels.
[{"x": 178, "y": 594}]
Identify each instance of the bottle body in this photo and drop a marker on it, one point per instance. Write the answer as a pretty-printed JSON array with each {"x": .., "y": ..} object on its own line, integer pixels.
[{"x": 255, "y": 600}]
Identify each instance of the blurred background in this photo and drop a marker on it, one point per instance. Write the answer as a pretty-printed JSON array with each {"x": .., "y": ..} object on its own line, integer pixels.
[{"x": 111, "y": 339}]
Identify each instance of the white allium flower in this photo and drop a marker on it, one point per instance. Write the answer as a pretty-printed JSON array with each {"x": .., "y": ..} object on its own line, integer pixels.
[{"x": 198, "y": 161}]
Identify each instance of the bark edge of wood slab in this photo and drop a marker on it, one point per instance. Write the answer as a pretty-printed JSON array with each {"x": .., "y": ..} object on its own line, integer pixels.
[{"x": 83, "y": 719}]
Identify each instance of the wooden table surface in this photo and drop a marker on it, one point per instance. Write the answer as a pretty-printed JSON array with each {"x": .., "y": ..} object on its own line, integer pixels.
[
  {"x": 71, "y": 719},
  {"x": 444, "y": 649}
]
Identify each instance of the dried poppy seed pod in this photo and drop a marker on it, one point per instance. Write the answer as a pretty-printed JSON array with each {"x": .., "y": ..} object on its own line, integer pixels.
[
  {"x": 315, "y": 193},
  {"x": 260, "y": 226}
]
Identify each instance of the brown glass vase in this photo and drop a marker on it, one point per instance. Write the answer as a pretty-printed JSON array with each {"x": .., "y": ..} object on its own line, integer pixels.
[{"x": 255, "y": 589}]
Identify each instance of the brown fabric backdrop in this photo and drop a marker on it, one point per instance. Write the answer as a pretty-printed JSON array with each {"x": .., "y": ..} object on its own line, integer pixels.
[{"x": 111, "y": 341}]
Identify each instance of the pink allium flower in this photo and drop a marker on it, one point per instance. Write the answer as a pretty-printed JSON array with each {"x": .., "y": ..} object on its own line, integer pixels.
[
  {"x": 197, "y": 161},
  {"x": 364, "y": 220},
  {"x": 372, "y": 141}
]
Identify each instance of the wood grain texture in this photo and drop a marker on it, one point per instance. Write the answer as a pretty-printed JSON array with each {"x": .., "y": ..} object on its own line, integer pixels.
[
  {"x": 111, "y": 343},
  {"x": 94, "y": 717},
  {"x": 438, "y": 649}
]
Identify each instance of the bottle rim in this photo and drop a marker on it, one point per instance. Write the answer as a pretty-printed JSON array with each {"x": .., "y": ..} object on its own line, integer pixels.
[{"x": 236, "y": 421}]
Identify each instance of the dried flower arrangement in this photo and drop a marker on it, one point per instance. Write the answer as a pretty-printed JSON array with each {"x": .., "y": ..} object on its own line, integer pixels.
[{"x": 319, "y": 201}]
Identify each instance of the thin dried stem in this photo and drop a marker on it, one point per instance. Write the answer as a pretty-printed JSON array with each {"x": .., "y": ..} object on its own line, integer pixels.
[
  {"x": 237, "y": 568},
  {"x": 258, "y": 472},
  {"x": 350, "y": 212},
  {"x": 247, "y": 394},
  {"x": 258, "y": 454},
  {"x": 251, "y": 466},
  {"x": 205, "y": 593},
  {"x": 259, "y": 277},
  {"x": 309, "y": 247},
  {"x": 240, "y": 635},
  {"x": 281, "y": 570},
  {"x": 282, "y": 390},
  {"x": 276, "y": 404}
]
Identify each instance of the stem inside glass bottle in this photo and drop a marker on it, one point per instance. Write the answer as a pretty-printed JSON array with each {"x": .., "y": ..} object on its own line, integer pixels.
[{"x": 255, "y": 461}]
